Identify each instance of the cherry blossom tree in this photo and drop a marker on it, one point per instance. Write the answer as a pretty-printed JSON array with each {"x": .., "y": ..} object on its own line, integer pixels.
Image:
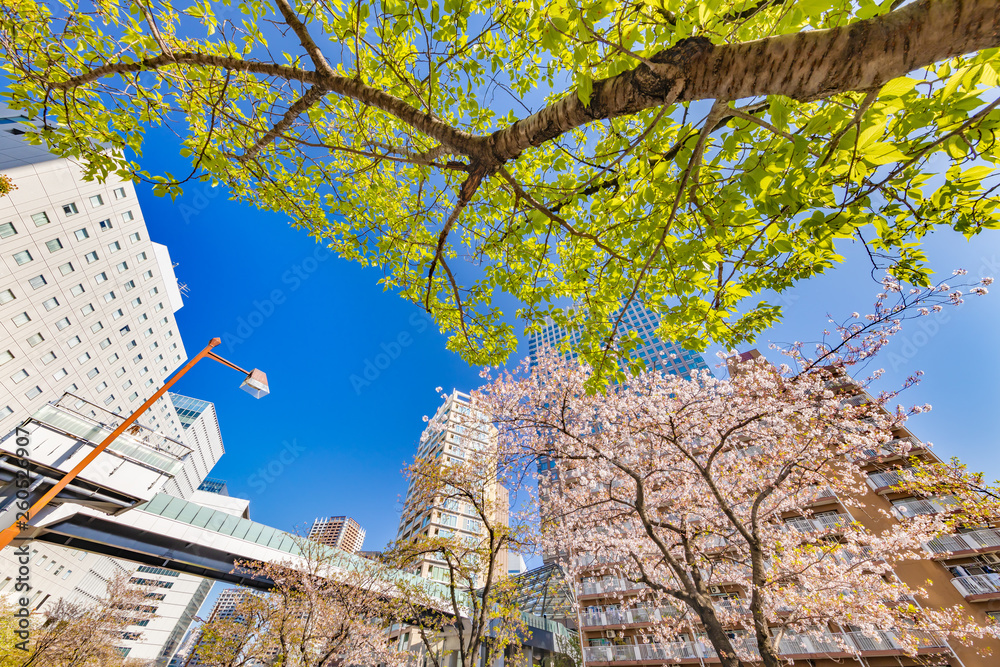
[
  {"x": 678, "y": 488},
  {"x": 73, "y": 634},
  {"x": 325, "y": 609}
]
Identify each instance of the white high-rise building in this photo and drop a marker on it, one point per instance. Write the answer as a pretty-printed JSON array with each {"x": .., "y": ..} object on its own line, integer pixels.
[
  {"x": 87, "y": 300},
  {"x": 458, "y": 432},
  {"x": 87, "y": 304}
]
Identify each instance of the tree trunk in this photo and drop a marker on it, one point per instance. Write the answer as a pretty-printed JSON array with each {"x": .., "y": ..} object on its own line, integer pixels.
[
  {"x": 804, "y": 65},
  {"x": 716, "y": 633}
]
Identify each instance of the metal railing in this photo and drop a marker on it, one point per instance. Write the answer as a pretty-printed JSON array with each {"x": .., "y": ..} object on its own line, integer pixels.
[
  {"x": 882, "y": 480},
  {"x": 977, "y": 584},
  {"x": 891, "y": 448},
  {"x": 984, "y": 538},
  {"x": 746, "y": 646},
  {"x": 818, "y": 523},
  {"x": 912, "y": 507}
]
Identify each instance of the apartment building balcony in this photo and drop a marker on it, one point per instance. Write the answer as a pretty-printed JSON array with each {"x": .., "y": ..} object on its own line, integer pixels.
[
  {"x": 828, "y": 644},
  {"x": 983, "y": 540},
  {"x": 627, "y": 617},
  {"x": 609, "y": 585},
  {"x": 882, "y": 482},
  {"x": 818, "y": 523},
  {"x": 975, "y": 587},
  {"x": 890, "y": 450},
  {"x": 911, "y": 507},
  {"x": 821, "y": 495}
]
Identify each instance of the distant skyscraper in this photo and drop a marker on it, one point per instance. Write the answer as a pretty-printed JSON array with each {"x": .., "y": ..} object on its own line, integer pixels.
[
  {"x": 657, "y": 354},
  {"x": 213, "y": 485},
  {"x": 342, "y": 532},
  {"x": 225, "y": 607},
  {"x": 458, "y": 432}
]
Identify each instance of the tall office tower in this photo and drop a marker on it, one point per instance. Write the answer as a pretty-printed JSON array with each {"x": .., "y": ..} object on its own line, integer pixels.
[
  {"x": 657, "y": 354},
  {"x": 964, "y": 572},
  {"x": 200, "y": 431},
  {"x": 342, "y": 532},
  {"x": 87, "y": 300},
  {"x": 225, "y": 607},
  {"x": 457, "y": 433}
]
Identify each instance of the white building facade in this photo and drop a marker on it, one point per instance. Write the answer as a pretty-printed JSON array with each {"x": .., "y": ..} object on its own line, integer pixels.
[{"x": 87, "y": 306}]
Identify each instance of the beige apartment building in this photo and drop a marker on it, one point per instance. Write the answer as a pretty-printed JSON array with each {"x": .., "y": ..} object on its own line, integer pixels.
[{"x": 342, "y": 532}]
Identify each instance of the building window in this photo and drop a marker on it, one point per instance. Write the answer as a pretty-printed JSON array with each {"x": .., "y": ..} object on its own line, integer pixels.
[
  {"x": 37, "y": 282},
  {"x": 7, "y": 229},
  {"x": 136, "y": 302},
  {"x": 83, "y": 358},
  {"x": 113, "y": 358},
  {"x": 137, "y": 358},
  {"x": 105, "y": 225},
  {"x": 158, "y": 307},
  {"x": 120, "y": 372},
  {"x": 128, "y": 383},
  {"x": 62, "y": 324},
  {"x": 22, "y": 257},
  {"x": 87, "y": 310},
  {"x": 53, "y": 245},
  {"x": 127, "y": 216},
  {"x": 49, "y": 304},
  {"x": 60, "y": 374},
  {"x": 109, "y": 400},
  {"x": 92, "y": 373},
  {"x": 66, "y": 269},
  {"x": 91, "y": 257},
  {"x": 5, "y": 356},
  {"x": 82, "y": 234},
  {"x": 21, "y": 320},
  {"x": 100, "y": 277},
  {"x": 141, "y": 257},
  {"x": 118, "y": 313},
  {"x": 33, "y": 393},
  {"x": 145, "y": 369},
  {"x": 122, "y": 267},
  {"x": 149, "y": 382},
  {"x": 74, "y": 341},
  {"x": 18, "y": 376},
  {"x": 119, "y": 193},
  {"x": 130, "y": 345},
  {"x": 96, "y": 200},
  {"x": 106, "y": 343},
  {"x": 97, "y": 327},
  {"x": 109, "y": 297},
  {"x": 35, "y": 339},
  {"x": 154, "y": 346},
  {"x": 78, "y": 290},
  {"x": 147, "y": 275},
  {"x": 70, "y": 209},
  {"x": 6, "y": 296},
  {"x": 114, "y": 247},
  {"x": 124, "y": 330},
  {"x": 40, "y": 218},
  {"x": 134, "y": 395},
  {"x": 129, "y": 285},
  {"x": 7, "y": 411},
  {"x": 101, "y": 387},
  {"x": 49, "y": 358},
  {"x": 134, "y": 237},
  {"x": 154, "y": 291}
]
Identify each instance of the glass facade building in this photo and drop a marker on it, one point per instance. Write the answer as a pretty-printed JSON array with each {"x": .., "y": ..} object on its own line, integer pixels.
[{"x": 188, "y": 409}]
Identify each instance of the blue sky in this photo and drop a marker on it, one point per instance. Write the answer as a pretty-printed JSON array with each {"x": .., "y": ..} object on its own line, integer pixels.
[{"x": 353, "y": 369}]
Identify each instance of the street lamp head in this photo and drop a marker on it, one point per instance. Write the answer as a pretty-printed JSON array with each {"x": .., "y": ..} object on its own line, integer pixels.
[{"x": 256, "y": 384}]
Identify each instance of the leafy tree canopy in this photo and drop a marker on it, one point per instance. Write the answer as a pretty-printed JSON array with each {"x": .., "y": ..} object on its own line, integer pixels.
[{"x": 696, "y": 156}]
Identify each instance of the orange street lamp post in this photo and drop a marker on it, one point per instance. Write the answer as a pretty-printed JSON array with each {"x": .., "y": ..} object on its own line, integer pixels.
[{"x": 254, "y": 384}]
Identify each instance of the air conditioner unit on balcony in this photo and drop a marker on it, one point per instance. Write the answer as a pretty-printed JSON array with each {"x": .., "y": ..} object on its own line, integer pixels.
[
  {"x": 610, "y": 634},
  {"x": 715, "y": 590}
]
